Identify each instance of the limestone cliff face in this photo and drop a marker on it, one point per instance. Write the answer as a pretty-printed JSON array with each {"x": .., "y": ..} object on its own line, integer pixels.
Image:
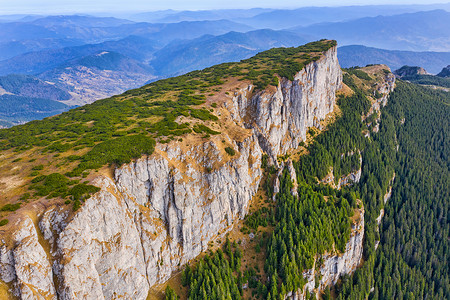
[
  {"x": 155, "y": 214},
  {"x": 281, "y": 117}
]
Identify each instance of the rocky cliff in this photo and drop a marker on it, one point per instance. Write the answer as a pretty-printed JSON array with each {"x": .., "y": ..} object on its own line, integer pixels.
[
  {"x": 155, "y": 214},
  {"x": 334, "y": 265}
]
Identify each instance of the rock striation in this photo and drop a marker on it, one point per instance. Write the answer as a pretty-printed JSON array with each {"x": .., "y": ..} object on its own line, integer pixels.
[{"x": 155, "y": 214}]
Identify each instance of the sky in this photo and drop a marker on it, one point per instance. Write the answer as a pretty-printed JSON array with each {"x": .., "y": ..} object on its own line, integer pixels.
[{"x": 89, "y": 6}]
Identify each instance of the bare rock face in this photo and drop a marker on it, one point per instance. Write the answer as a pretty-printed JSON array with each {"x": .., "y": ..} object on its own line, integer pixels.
[
  {"x": 27, "y": 265},
  {"x": 159, "y": 212},
  {"x": 281, "y": 117}
]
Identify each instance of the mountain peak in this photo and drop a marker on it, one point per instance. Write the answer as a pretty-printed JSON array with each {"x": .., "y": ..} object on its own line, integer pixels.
[{"x": 410, "y": 71}]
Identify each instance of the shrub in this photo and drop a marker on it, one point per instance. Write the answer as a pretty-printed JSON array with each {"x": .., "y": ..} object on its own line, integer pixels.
[
  {"x": 10, "y": 207},
  {"x": 230, "y": 151}
]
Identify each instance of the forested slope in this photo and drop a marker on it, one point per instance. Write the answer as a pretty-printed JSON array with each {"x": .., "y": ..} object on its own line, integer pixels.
[{"x": 412, "y": 261}]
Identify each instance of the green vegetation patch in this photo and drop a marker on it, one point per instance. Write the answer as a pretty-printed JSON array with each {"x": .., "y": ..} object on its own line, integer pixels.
[
  {"x": 118, "y": 151},
  {"x": 230, "y": 151},
  {"x": 358, "y": 73},
  {"x": 58, "y": 185},
  {"x": 10, "y": 207},
  {"x": 214, "y": 277}
]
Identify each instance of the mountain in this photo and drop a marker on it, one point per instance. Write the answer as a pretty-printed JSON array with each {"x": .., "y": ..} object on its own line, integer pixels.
[
  {"x": 287, "y": 18},
  {"x": 420, "y": 31},
  {"x": 29, "y": 86},
  {"x": 224, "y": 175},
  {"x": 445, "y": 72},
  {"x": 281, "y": 173},
  {"x": 10, "y": 49},
  {"x": 171, "y": 16},
  {"x": 185, "y": 30},
  {"x": 178, "y": 58},
  {"x": 406, "y": 71},
  {"x": 418, "y": 75},
  {"x": 62, "y": 31},
  {"x": 16, "y": 110},
  {"x": 25, "y": 98},
  {"x": 97, "y": 76},
  {"x": 71, "y": 76},
  {"x": 356, "y": 55},
  {"x": 138, "y": 48}
]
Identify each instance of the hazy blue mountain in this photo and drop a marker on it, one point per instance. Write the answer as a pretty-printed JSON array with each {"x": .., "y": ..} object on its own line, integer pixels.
[
  {"x": 355, "y": 55},
  {"x": 18, "y": 18},
  {"x": 29, "y": 86},
  {"x": 67, "y": 21},
  {"x": 206, "y": 51},
  {"x": 105, "y": 60},
  {"x": 163, "y": 33},
  {"x": 152, "y": 16},
  {"x": 40, "y": 61},
  {"x": 420, "y": 31},
  {"x": 24, "y": 31},
  {"x": 202, "y": 15},
  {"x": 282, "y": 19},
  {"x": 62, "y": 31},
  {"x": 25, "y": 98},
  {"x": 13, "y": 48}
]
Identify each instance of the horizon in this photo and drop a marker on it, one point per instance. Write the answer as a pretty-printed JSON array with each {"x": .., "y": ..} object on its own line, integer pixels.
[{"x": 53, "y": 7}]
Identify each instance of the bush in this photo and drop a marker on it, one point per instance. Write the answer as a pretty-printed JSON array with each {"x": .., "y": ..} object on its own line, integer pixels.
[
  {"x": 4, "y": 222},
  {"x": 10, "y": 207},
  {"x": 230, "y": 151}
]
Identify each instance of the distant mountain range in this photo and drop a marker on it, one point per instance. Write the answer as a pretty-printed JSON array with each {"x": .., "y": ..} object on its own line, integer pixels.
[
  {"x": 350, "y": 56},
  {"x": 284, "y": 18},
  {"x": 206, "y": 51},
  {"x": 420, "y": 31},
  {"x": 62, "y": 31}
]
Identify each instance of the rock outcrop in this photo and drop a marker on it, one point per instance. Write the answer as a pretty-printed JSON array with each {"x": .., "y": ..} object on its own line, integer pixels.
[
  {"x": 158, "y": 212},
  {"x": 445, "y": 72},
  {"x": 406, "y": 71},
  {"x": 336, "y": 265},
  {"x": 280, "y": 117}
]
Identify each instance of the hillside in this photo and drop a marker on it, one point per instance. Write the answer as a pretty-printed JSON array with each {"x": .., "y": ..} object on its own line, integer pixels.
[
  {"x": 98, "y": 76},
  {"x": 445, "y": 72},
  {"x": 25, "y": 98}
]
